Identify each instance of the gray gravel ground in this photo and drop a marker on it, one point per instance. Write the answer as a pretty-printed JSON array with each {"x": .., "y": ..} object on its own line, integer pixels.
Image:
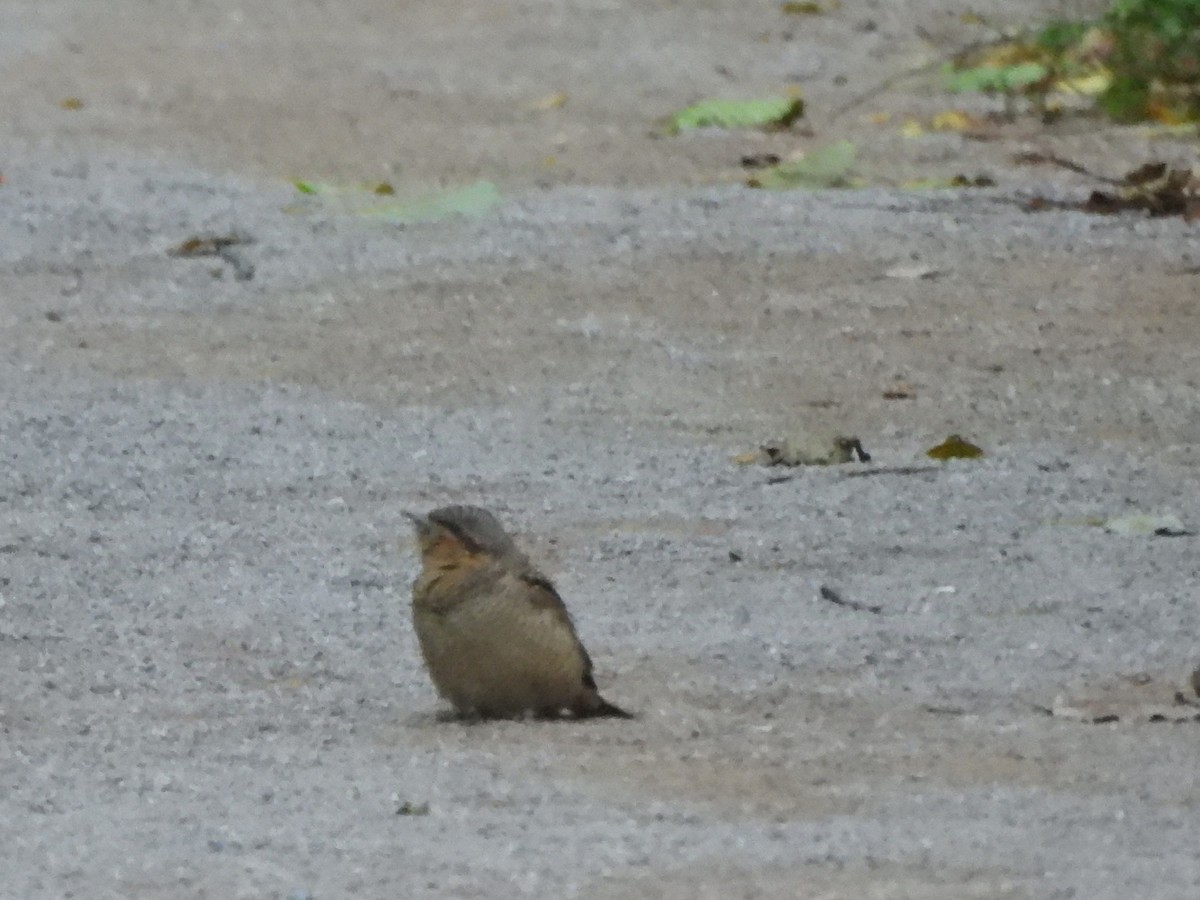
[{"x": 210, "y": 685}]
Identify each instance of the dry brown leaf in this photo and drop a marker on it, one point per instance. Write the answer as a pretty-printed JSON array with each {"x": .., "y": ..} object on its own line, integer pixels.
[
  {"x": 1153, "y": 188},
  {"x": 760, "y": 160},
  {"x": 801, "y": 8},
  {"x": 207, "y": 244},
  {"x": 808, "y": 449},
  {"x": 954, "y": 447}
]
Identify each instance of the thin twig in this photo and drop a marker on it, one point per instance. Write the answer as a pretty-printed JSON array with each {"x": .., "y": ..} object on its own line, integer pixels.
[
  {"x": 892, "y": 80},
  {"x": 1035, "y": 157}
]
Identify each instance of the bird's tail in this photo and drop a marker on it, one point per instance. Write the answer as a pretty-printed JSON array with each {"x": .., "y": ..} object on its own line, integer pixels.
[{"x": 603, "y": 709}]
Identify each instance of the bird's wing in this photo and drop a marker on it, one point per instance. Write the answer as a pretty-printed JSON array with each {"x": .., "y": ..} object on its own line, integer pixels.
[{"x": 543, "y": 595}]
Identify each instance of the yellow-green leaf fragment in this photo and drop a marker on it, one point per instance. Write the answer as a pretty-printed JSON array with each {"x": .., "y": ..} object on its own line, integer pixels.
[
  {"x": 954, "y": 447},
  {"x": 776, "y": 112},
  {"x": 825, "y": 167}
]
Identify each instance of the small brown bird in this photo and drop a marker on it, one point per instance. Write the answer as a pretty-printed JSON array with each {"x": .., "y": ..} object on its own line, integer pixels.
[{"x": 496, "y": 637}]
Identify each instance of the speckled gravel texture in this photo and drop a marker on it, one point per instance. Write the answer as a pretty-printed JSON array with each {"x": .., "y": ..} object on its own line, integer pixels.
[{"x": 209, "y": 684}]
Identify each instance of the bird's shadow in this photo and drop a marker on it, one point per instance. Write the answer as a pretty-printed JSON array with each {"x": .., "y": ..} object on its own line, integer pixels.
[{"x": 454, "y": 717}]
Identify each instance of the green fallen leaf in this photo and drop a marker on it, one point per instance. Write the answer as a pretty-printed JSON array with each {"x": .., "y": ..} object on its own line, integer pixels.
[
  {"x": 472, "y": 200},
  {"x": 824, "y": 167},
  {"x": 378, "y": 201},
  {"x": 993, "y": 79},
  {"x": 777, "y": 112}
]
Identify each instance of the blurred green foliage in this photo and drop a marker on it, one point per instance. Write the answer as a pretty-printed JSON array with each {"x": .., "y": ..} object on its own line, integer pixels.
[
  {"x": 1141, "y": 61},
  {"x": 1155, "y": 60}
]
